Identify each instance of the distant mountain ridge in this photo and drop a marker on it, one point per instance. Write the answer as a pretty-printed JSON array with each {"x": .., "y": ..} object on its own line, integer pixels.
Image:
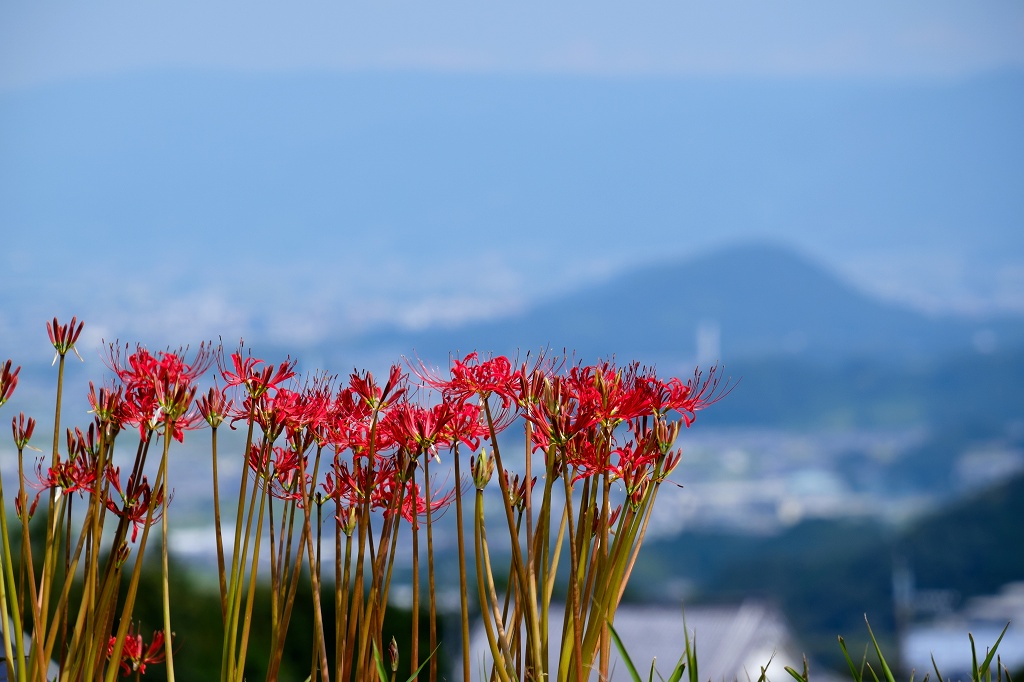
[{"x": 748, "y": 301}]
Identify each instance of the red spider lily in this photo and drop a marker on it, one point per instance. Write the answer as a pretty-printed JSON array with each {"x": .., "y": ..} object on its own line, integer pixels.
[
  {"x": 615, "y": 395},
  {"x": 109, "y": 407},
  {"x": 338, "y": 487},
  {"x": 560, "y": 414},
  {"x": 582, "y": 455},
  {"x": 189, "y": 421},
  {"x": 351, "y": 420},
  {"x": 690, "y": 397},
  {"x": 414, "y": 505},
  {"x": 319, "y": 408},
  {"x": 214, "y": 407},
  {"x": 517, "y": 487},
  {"x": 418, "y": 429},
  {"x": 472, "y": 376},
  {"x": 83, "y": 445},
  {"x": 279, "y": 470},
  {"x": 137, "y": 498},
  {"x": 277, "y": 411},
  {"x": 254, "y": 377},
  {"x": 134, "y": 655},
  {"x": 366, "y": 388},
  {"x": 8, "y": 381},
  {"x": 64, "y": 337},
  {"x": 377, "y": 483},
  {"x": 632, "y": 456},
  {"x": 159, "y": 388},
  {"x": 306, "y": 420},
  {"x": 22, "y": 429},
  {"x": 361, "y": 438},
  {"x": 71, "y": 475},
  {"x": 465, "y": 426}
]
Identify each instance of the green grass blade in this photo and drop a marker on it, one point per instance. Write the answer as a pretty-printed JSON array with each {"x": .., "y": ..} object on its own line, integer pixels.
[
  {"x": 988, "y": 659},
  {"x": 797, "y": 676},
  {"x": 878, "y": 652},
  {"x": 425, "y": 661},
  {"x": 691, "y": 653},
  {"x": 677, "y": 673},
  {"x": 382, "y": 673},
  {"x": 935, "y": 667},
  {"x": 625, "y": 656},
  {"x": 854, "y": 673}
]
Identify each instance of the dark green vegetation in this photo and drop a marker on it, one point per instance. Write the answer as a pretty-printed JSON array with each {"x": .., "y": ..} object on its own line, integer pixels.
[
  {"x": 826, "y": 575},
  {"x": 195, "y": 612},
  {"x": 963, "y": 391}
]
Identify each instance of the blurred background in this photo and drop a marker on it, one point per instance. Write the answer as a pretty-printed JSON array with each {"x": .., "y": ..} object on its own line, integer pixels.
[{"x": 824, "y": 198}]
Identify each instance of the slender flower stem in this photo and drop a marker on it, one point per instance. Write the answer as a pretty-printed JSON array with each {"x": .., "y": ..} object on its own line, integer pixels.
[
  {"x": 460, "y": 534},
  {"x": 217, "y": 529},
  {"x": 40, "y": 616},
  {"x": 168, "y": 632},
  {"x": 431, "y": 591}
]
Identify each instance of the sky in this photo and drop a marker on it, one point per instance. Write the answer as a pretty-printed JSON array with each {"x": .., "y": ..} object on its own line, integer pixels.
[
  {"x": 936, "y": 38},
  {"x": 429, "y": 163}
]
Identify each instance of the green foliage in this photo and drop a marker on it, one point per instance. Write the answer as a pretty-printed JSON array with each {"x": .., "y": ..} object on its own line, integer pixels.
[
  {"x": 969, "y": 388},
  {"x": 862, "y": 671},
  {"x": 198, "y": 628},
  {"x": 826, "y": 574}
]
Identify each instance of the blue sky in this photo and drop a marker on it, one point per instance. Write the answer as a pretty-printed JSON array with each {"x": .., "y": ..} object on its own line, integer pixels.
[
  {"x": 937, "y": 38},
  {"x": 427, "y": 163}
]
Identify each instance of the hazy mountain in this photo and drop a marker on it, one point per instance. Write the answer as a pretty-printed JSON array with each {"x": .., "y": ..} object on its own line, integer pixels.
[
  {"x": 295, "y": 208},
  {"x": 749, "y": 301}
]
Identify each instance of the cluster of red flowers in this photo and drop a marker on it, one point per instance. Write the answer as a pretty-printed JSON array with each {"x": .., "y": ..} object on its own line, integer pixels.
[{"x": 379, "y": 432}]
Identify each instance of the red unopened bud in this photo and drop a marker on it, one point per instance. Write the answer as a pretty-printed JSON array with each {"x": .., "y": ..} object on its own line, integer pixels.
[
  {"x": 214, "y": 407},
  {"x": 64, "y": 337},
  {"x": 19, "y": 507},
  {"x": 393, "y": 654},
  {"x": 122, "y": 554},
  {"x": 22, "y": 429},
  {"x": 8, "y": 380}
]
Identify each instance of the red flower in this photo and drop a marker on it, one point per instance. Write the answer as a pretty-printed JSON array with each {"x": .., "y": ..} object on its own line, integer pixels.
[
  {"x": 418, "y": 429},
  {"x": 134, "y": 655},
  {"x": 72, "y": 475},
  {"x": 109, "y": 407},
  {"x": 137, "y": 498},
  {"x": 365, "y": 387},
  {"x": 465, "y": 426},
  {"x": 471, "y": 376},
  {"x": 256, "y": 379},
  {"x": 687, "y": 399},
  {"x": 159, "y": 388},
  {"x": 279, "y": 470},
  {"x": 214, "y": 407}
]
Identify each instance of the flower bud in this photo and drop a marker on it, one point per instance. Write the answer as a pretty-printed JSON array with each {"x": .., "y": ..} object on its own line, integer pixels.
[
  {"x": 122, "y": 554},
  {"x": 393, "y": 654},
  {"x": 482, "y": 467}
]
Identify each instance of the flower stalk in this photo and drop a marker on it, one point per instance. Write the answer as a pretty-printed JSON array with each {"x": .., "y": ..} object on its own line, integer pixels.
[{"x": 600, "y": 440}]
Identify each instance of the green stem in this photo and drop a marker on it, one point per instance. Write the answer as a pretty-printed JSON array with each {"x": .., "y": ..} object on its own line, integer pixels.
[
  {"x": 464, "y": 602},
  {"x": 164, "y": 563}
]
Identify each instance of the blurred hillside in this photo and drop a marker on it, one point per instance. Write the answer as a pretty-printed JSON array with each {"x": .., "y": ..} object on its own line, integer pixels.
[{"x": 753, "y": 301}]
